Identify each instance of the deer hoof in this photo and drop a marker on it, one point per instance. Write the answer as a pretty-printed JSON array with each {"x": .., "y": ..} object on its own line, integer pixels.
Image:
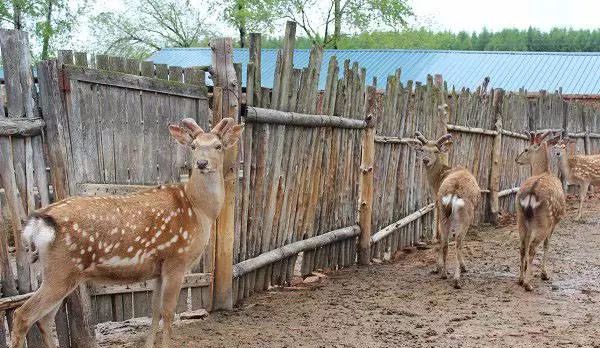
[
  {"x": 528, "y": 287},
  {"x": 435, "y": 271},
  {"x": 444, "y": 275},
  {"x": 545, "y": 276},
  {"x": 463, "y": 269},
  {"x": 457, "y": 284}
]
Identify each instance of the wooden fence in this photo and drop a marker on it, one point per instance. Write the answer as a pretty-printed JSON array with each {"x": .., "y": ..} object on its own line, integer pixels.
[{"x": 325, "y": 178}]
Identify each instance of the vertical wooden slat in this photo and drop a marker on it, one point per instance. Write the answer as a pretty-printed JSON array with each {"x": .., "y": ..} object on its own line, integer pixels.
[{"x": 494, "y": 184}]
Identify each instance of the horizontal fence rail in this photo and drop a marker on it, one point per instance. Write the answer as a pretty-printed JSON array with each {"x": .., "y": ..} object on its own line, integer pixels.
[
  {"x": 260, "y": 115},
  {"x": 289, "y": 250}
]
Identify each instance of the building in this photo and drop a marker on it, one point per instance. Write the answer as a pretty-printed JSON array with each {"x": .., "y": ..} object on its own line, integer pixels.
[{"x": 577, "y": 73}]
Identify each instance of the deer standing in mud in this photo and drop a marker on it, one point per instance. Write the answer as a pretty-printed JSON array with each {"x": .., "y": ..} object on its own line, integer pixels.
[
  {"x": 456, "y": 193},
  {"x": 581, "y": 170},
  {"x": 153, "y": 234},
  {"x": 540, "y": 205}
]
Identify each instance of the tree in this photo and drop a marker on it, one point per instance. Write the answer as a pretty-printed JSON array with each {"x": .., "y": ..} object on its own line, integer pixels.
[
  {"x": 149, "y": 25},
  {"x": 249, "y": 16},
  {"x": 51, "y": 21},
  {"x": 323, "y": 21}
]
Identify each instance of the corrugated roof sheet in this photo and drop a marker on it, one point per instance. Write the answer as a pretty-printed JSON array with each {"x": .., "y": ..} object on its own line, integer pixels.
[{"x": 576, "y": 73}]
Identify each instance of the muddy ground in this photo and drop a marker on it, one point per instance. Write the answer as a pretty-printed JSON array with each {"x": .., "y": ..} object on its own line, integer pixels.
[{"x": 400, "y": 304}]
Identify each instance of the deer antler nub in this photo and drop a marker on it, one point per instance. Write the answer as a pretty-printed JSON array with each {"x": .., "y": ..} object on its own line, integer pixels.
[
  {"x": 444, "y": 138},
  {"x": 421, "y": 137}
]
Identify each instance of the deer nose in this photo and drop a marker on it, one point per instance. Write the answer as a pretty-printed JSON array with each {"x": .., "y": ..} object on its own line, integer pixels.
[{"x": 202, "y": 164}]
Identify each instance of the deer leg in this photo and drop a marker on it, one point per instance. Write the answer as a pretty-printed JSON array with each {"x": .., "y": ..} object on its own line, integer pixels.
[
  {"x": 172, "y": 278},
  {"x": 523, "y": 265},
  {"x": 49, "y": 296},
  {"x": 544, "y": 257},
  {"x": 460, "y": 262},
  {"x": 443, "y": 253},
  {"x": 529, "y": 263},
  {"x": 583, "y": 189},
  {"x": 156, "y": 309},
  {"x": 45, "y": 325}
]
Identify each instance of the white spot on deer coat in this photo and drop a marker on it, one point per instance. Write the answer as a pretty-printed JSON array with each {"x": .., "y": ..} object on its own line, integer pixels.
[{"x": 190, "y": 211}]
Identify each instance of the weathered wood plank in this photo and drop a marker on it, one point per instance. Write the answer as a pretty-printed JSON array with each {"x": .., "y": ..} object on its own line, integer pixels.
[
  {"x": 25, "y": 127},
  {"x": 143, "y": 83}
]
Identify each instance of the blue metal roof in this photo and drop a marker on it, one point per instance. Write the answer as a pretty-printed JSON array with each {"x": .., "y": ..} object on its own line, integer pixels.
[{"x": 575, "y": 72}]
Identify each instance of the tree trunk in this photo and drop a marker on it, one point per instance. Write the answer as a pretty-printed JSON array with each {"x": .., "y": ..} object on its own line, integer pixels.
[
  {"x": 17, "y": 16},
  {"x": 337, "y": 19},
  {"x": 47, "y": 33},
  {"x": 242, "y": 30}
]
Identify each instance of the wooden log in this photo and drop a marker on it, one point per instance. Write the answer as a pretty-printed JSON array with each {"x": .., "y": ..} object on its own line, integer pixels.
[
  {"x": 225, "y": 226},
  {"x": 289, "y": 250},
  {"x": 514, "y": 134},
  {"x": 494, "y": 183},
  {"x": 391, "y": 140},
  {"x": 287, "y": 65},
  {"x": 260, "y": 115},
  {"x": 508, "y": 191},
  {"x": 464, "y": 129},
  {"x": 365, "y": 200},
  {"x": 254, "y": 49},
  {"x": 224, "y": 75},
  {"x": 401, "y": 223},
  {"x": 24, "y": 127}
]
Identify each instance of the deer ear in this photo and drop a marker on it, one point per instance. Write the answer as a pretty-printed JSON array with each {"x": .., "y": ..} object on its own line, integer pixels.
[
  {"x": 233, "y": 135},
  {"x": 180, "y": 134},
  {"x": 446, "y": 145},
  {"x": 222, "y": 127}
]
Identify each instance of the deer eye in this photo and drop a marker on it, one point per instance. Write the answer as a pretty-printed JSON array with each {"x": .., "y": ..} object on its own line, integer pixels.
[{"x": 219, "y": 147}]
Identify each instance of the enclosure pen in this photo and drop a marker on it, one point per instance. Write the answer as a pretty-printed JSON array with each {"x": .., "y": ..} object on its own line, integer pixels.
[{"x": 325, "y": 177}]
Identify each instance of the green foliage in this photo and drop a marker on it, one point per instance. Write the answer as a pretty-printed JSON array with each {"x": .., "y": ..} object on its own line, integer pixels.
[
  {"x": 149, "y": 25},
  {"x": 556, "y": 40},
  {"x": 50, "y": 21},
  {"x": 249, "y": 16}
]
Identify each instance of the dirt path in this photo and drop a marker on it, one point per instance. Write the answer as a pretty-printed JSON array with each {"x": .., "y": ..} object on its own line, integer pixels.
[{"x": 402, "y": 305}]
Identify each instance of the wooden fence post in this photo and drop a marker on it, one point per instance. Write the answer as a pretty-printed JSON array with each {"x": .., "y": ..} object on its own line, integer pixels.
[
  {"x": 225, "y": 103},
  {"x": 223, "y": 75},
  {"x": 365, "y": 201},
  {"x": 494, "y": 182},
  {"x": 52, "y": 102}
]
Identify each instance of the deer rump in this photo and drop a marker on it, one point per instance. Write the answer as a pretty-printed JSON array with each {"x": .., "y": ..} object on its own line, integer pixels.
[
  {"x": 529, "y": 201},
  {"x": 458, "y": 196}
]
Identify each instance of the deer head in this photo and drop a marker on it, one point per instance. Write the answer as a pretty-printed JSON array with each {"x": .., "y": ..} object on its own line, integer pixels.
[
  {"x": 559, "y": 149},
  {"x": 537, "y": 150},
  {"x": 208, "y": 148},
  {"x": 429, "y": 151}
]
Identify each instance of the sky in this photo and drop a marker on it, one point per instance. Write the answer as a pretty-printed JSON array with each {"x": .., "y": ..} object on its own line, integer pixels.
[
  {"x": 474, "y": 15},
  {"x": 452, "y": 15}
]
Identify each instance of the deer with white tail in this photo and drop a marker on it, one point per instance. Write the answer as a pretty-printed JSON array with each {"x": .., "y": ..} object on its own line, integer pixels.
[
  {"x": 581, "y": 170},
  {"x": 540, "y": 204},
  {"x": 456, "y": 193},
  {"x": 153, "y": 234}
]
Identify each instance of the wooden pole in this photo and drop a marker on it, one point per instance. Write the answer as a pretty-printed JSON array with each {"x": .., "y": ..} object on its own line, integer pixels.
[
  {"x": 54, "y": 102},
  {"x": 494, "y": 182},
  {"x": 365, "y": 200},
  {"x": 225, "y": 94},
  {"x": 224, "y": 75}
]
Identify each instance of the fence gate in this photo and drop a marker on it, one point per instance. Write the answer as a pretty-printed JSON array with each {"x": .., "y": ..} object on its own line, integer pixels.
[{"x": 111, "y": 137}]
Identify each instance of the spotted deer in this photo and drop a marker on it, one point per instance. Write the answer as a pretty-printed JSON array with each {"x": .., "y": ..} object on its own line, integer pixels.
[
  {"x": 157, "y": 233},
  {"x": 456, "y": 193},
  {"x": 540, "y": 205},
  {"x": 581, "y": 170}
]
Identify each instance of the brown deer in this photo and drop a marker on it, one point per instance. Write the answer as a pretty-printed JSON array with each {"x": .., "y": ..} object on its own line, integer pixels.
[
  {"x": 456, "y": 193},
  {"x": 540, "y": 205},
  {"x": 153, "y": 234},
  {"x": 581, "y": 170}
]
